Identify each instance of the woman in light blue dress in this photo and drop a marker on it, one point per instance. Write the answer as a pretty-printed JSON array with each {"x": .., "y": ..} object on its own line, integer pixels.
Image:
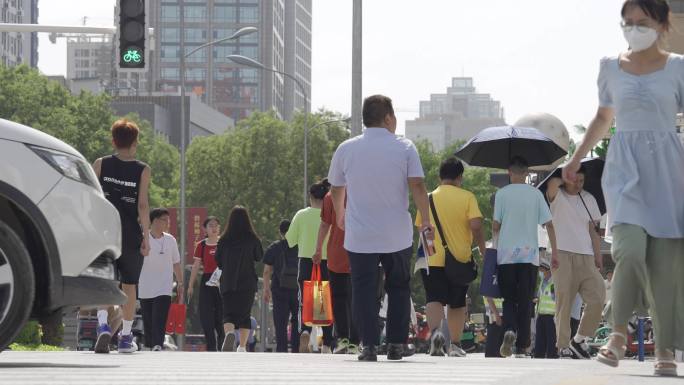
[{"x": 643, "y": 181}]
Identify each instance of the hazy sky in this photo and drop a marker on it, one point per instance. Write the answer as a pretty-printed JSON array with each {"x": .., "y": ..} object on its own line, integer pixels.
[{"x": 532, "y": 55}]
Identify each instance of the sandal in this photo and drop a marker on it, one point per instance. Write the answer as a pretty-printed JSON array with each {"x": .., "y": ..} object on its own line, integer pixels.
[
  {"x": 665, "y": 365},
  {"x": 611, "y": 353}
]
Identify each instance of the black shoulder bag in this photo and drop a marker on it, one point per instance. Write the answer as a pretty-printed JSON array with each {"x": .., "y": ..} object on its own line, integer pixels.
[
  {"x": 456, "y": 271},
  {"x": 287, "y": 276}
]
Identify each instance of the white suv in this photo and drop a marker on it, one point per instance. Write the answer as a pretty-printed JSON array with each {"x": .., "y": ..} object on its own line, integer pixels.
[{"x": 59, "y": 236}]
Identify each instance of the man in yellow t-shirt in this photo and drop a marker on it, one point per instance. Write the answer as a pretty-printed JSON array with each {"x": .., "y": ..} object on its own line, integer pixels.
[{"x": 461, "y": 223}]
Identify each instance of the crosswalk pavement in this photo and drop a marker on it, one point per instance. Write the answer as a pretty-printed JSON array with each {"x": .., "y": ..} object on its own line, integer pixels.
[{"x": 27, "y": 368}]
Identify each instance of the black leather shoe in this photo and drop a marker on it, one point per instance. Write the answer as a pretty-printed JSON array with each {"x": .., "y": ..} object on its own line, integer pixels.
[
  {"x": 395, "y": 352},
  {"x": 369, "y": 354}
]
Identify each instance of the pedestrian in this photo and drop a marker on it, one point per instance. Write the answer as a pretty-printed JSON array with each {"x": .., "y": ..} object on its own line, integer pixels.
[
  {"x": 156, "y": 279},
  {"x": 459, "y": 219},
  {"x": 545, "y": 336},
  {"x": 210, "y": 303},
  {"x": 303, "y": 233},
  {"x": 125, "y": 182},
  {"x": 281, "y": 285},
  {"x": 518, "y": 210},
  {"x": 495, "y": 331},
  {"x": 340, "y": 278},
  {"x": 608, "y": 283},
  {"x": 374, "y": 172},
  {"x": 577, "y": 270},
  {"x": 643, "y": 89},
  {"x": 237, "y": 251}
]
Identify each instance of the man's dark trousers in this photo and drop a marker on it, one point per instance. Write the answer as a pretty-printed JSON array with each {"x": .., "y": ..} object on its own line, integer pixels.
[
  {"x": 364, "y": 277},
  {"x": 286, "y": 310},
  {"x": 517, "y": 282},
  {"x": 545, "y": 337}
]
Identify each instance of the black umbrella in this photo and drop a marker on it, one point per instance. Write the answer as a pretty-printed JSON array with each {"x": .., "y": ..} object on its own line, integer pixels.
[
  {"x": 592, "y": 180},
  {"x": 496, "y": 146}
]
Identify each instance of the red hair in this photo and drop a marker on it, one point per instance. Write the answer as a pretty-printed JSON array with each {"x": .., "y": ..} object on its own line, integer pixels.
[{"x": 124, "y": 133}]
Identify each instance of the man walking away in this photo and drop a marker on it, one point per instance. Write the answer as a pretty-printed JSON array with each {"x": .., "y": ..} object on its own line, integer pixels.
[
  {"x": 125, "y": 182},
  {"x": 461, "y": 223},
  {"x": 281, "y": 285},
  {"x": 518, "y": 209},
  {"x": 156, "y": 279},
  {"x": 375, "y": 171},
  {"x": 577, "y": 268},
  {"x": 545, "y": 336}
]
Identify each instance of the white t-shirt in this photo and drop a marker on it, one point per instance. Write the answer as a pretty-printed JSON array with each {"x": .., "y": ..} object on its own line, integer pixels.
[
  {"x": 571, "y": 221},
  {"x": 156, "y": 277}
]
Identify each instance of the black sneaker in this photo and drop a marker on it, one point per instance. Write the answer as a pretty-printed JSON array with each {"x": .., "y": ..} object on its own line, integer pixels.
[
  {"x": 567, "y": 354},
  {"x": 506, "y": 349},
  {"x": 368, "y": 354},
  {"x": 580, "y": 349},
  {"x": 437, "y": 344},
  {"x": 395, "y": 352}
]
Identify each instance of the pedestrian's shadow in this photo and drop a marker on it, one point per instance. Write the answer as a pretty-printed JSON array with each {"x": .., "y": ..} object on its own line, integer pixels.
[{"x": 15, "y": 365}]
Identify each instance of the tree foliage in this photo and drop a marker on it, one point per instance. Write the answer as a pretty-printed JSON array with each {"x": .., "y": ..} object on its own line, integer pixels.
[{"x": 83, "y": 121}]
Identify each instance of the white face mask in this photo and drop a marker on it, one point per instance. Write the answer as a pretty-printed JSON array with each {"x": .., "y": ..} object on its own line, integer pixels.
[{"x": 639, "y": 41}]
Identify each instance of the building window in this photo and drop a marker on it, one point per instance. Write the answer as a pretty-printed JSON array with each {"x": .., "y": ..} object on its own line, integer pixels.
[
  {"x": 248, "y": 75},
  {"x": 195, "y": 35},
  {"x": 170, "y": 74},
  {"x": 249, "y": 14},
  {"x": 197, "y": 57},
  {"x": 169, "y": 53},
  {"x": 170, "y": 13},
  {"x": 225, "y": 14},
  {"x": 195, "y": 13},
  {"x": 195, "y": 74},
  {"x": 170, "y": 35}
]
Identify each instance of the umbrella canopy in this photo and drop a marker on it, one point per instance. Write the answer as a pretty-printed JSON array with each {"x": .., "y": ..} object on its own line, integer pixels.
[
  {"x": 496, "y": 146},
  {"x": 592, "y": 180}
]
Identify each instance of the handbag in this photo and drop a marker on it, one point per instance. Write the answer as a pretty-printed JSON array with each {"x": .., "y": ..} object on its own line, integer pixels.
[
  {"x": 316, "y": 300},
  {"x": 489, "y": 284},
  {"x": 455, "y": 270},
  {"x": 175, "y": 322}
]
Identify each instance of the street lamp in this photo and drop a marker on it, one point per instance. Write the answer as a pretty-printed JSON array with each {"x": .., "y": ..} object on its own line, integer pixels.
[
  {"x": 184, "y": 127},
  {"x": 247, "y": 62}
]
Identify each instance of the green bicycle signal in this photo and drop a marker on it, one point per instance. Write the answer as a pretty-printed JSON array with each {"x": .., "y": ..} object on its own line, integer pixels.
[{"x": 132, "y": 56}]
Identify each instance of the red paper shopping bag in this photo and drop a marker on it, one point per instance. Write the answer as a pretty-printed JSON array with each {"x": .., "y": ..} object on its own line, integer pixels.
[
  {"x": 316, "y": 300},
  {"x": 175, "y": 322}
]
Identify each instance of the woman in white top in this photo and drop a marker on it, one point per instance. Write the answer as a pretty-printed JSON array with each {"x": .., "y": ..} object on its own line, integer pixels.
[{"x": 643, "y": 182}]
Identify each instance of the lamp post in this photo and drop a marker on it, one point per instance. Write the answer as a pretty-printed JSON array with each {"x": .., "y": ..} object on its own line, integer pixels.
[
  {"x": 245, "y": 61},
  {"x": 184, "y": 127}
]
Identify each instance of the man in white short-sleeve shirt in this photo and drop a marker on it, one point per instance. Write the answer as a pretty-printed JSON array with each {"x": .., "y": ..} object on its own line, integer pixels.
[
  {"x": 577, "y": 269},
  {"x": 155, "y": 287},
  {"x": 375, "y": 171}
]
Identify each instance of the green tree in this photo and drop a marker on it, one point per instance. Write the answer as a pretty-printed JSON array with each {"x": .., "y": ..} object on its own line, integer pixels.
[{"x": 83, "y": 121}]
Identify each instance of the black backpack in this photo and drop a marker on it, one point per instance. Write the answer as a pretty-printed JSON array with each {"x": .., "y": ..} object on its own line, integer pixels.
[{"x": 287, "y": 276}]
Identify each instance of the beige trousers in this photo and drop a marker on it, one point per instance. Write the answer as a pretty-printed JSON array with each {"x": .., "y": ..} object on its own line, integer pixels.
[{"x": 577, "y": 273}]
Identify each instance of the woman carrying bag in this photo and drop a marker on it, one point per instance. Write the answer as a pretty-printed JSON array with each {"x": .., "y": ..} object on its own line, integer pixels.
[{"x": 238, "y": 250}]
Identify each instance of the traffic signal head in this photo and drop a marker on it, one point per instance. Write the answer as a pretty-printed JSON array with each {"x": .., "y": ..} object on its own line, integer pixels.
[{"x": 131, "y": 35}]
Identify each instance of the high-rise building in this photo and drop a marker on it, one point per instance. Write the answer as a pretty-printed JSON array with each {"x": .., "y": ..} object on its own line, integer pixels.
[
  {"x": 456, "y": 115},
  {"x": 283, "y": 42},
  {"x": 676, "y": 36},
  {"x": 19, "y": 47}
]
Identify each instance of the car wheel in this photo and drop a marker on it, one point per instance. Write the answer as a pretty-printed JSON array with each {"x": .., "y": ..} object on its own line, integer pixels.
[{"x": 16, "y": 285}]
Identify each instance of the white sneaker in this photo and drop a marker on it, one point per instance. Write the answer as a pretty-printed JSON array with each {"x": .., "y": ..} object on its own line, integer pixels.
[
  {"x": 157, "y": 348},
  {"x": 304, "y": 339},
  {"x": 456, "y": 351},
  {"x": 240, "y": 349}
]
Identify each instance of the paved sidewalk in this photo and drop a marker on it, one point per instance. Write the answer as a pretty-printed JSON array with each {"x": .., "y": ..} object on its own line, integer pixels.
[{"x": 273, "y": 368}]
